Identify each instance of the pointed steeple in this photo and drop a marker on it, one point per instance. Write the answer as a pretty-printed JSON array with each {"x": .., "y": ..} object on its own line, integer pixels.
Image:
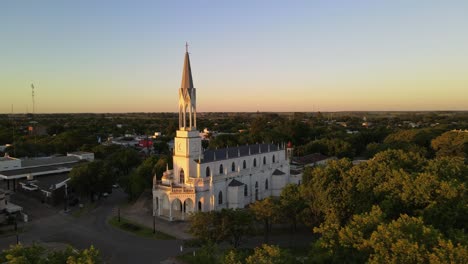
[
  {"x": 187, "y": 81},
  {"x": 187, "y": 97}
]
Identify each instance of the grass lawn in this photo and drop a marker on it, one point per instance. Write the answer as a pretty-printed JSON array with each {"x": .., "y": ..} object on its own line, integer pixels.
[{"x": 138, "y": 229}]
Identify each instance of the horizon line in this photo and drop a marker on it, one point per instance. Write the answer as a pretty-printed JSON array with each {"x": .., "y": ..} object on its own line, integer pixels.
[{"x": 249, "y": 112}]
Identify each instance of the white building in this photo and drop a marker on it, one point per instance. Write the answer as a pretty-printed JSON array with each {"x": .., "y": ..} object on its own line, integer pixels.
[{"x": 204, "y": 180}]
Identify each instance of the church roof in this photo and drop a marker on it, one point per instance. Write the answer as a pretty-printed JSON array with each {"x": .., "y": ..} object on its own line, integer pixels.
[
  {"x": 234, "y": 152},
  {"x": 278, "y": 172},
  {"x": 235, "y": 183},
  {"x": 311, "y": 158},
  {"x": 187, "y": 81}
]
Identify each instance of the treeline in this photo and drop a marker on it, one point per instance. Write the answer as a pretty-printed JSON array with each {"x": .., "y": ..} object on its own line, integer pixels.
[
  {"x": 115, "y": 164},
  {"x": 399, "y": 207},
  {"x": 40, "y": 255}
]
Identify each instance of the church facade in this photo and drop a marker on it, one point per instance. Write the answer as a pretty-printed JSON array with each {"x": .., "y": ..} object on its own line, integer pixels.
[{"x": 205, "y": 180}]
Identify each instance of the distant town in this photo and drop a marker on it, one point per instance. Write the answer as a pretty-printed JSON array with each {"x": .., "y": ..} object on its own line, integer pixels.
[{"x": 88, "y": 171}]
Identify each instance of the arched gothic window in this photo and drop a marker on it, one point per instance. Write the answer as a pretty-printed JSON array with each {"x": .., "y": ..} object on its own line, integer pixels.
[
  {"x": 266, "y": 184},
  {"x": 273, "y": 159},
  {"x": 244, "y": 165},
  {"x": 220, "y": 198},
  {"x": 208, "y": 172},
  {"x": 199, "y": 206},
  {"x": 221, "y": 170},
  {"x": 233, "y": 167},
  {"x": 181, "y": 176},
  {"x": 255, "y": 162},
  {"x": 264, "y": 160},
  {"x": 246, "y": 190}
]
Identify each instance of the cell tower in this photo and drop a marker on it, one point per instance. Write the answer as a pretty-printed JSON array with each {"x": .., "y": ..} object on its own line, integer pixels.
[{"x": 33, "y": 102}]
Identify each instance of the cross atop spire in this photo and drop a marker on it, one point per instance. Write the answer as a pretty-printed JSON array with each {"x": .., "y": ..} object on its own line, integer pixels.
[{"x": 186, "y": 46}]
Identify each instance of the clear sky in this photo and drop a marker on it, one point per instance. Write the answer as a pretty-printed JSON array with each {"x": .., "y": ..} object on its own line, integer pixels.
[{"x": 127, "y": 56}]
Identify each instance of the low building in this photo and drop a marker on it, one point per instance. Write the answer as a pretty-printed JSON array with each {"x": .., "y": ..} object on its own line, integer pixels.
[
  {"x": 6, "y": 207},
  {"x": 35, "y": 167},
  {"x": 51, "y": 189},
  {"x": 89, "y": 156}
]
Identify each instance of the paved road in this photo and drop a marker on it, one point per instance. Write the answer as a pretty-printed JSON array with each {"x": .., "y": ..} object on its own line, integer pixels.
[{"x": 116, "y": 246}]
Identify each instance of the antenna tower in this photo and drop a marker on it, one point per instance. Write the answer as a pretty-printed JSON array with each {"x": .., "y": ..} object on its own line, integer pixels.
[{"x": 33, "y": 102}]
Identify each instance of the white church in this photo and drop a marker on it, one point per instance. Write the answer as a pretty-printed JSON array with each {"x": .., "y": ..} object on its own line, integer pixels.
[{"x": 205, "y": 180}]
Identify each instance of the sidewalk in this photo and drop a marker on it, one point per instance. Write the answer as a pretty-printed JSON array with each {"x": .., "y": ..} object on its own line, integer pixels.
[{"x": 140, "y": 214}]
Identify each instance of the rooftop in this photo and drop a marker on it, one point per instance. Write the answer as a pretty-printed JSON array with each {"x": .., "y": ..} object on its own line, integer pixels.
[
  {"x": 235, "y": 183},
  {"x": 240, "y": 151},
  {"x": 47, "y": 161},
  {"x": 278, "y": 172},
  {"x": 48, "y": 182},
  {"x": 21, "y": 173},
  {"x": 79, "y": 153},
  {"x": 311, "y": 158}
]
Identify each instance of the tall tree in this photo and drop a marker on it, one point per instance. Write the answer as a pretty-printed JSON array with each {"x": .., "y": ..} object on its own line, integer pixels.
[
  {"x": 452, "y": 143},
  {"x": 267, "y": 212},
  {"x": 291, "y": 205}
]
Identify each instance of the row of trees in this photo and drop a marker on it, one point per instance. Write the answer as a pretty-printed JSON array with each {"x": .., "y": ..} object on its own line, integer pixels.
[
  {"x": 264, "y": 254},
  {"x": 399, "y": 207},
  {"x": 234, "y": 225},
  {"x": 40, "y": 255}
]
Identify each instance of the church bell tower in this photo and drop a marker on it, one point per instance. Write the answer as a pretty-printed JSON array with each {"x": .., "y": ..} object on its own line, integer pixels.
[{"x": 187, "y": 144}]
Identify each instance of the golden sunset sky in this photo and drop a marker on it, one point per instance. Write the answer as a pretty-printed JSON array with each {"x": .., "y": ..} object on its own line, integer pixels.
[{"x": 127, "y": 56}]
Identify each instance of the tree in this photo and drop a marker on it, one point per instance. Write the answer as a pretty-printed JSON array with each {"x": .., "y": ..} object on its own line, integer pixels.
[
  {"x": 448, "y": 168},
  {"x": 91, "y": 178},
  {"x": 18, "y": 254},
  {"x": 36, "y": 254},
  {"x": 124, "y": 160},
  {"x": 141, "y": 177},
  {"x": 87, "y": 256},
  {"x": 269, "y": 254},
  {"x": 206, "y": 226},
  {"x": 452, "y": 143},
  {"x": 405, "y": 240},
  {"x": 291, "y": 205},
  {"x": 266, "y": 211},
  {"x": 238, "y": 224},
  {"x": 225, "y": 225},
  {"x": 328, "y": 192},
  {"x": 348, "y": 243}
]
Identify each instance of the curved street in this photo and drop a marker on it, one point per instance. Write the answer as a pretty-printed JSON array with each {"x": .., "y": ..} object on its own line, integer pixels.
[{"x": 115, "y": 245}]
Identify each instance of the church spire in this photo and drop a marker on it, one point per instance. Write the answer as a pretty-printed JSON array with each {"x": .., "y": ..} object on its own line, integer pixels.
[
  {"x": 187, "y": 97},
  {"x": 187, "y": 81}
]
